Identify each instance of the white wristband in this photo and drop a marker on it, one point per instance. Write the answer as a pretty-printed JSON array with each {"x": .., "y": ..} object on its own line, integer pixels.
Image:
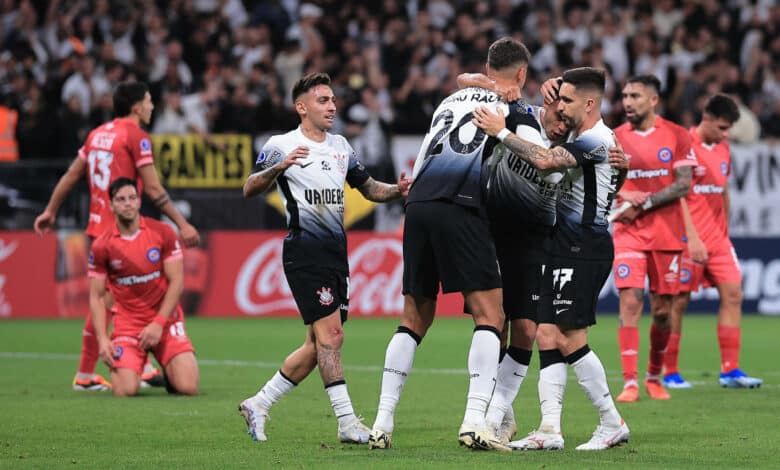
[
  {"x": 502, "y": 134},
  {"x": 648, "y": 204}
]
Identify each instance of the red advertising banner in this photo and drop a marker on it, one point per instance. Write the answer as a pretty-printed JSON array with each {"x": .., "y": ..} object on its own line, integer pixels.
[
  {"x": 246, "y": 277},
  {"x": 27, "y": 275}
]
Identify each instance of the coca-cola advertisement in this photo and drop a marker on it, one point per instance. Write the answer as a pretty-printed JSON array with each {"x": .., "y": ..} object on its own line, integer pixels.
[
  {"x": 27, "y": 276},
  {"x": 247, "y": 277}
]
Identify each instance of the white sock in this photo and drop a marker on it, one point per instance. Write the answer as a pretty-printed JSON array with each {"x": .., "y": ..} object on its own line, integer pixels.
[
  {"x": 510, "y": 376},
  {"x": 273, "y": 391},
  {"x": 398, "y": 362},
  {"x": 483, "y": 366},
  {"x": 593, "y": 380},
  {"x": 342, "y": 405},
  {"x": 552, "y": 385},
  {"x": 148, "y": 368}
]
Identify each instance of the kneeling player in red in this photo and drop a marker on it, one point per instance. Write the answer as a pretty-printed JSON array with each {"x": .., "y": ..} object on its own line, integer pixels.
[{"x": 141, "y": 261}]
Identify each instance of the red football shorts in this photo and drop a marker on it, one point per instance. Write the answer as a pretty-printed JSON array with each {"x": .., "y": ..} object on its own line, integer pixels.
[
  {"x": 722, "y": 266},
  {"x": 174, "y": 341},
  {"x": 661, "y": 267}
]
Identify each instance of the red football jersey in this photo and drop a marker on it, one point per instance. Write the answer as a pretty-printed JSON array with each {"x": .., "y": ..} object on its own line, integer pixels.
[
  {"x": 652, "y": 157},
  {"x": 710, "y": 180},
  {"x": 115, "y": 149},
  {"x": 133, "y": 267}
]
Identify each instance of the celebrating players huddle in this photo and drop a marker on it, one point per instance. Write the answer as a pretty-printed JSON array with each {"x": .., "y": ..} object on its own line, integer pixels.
[{"x": 510, "y": 205}]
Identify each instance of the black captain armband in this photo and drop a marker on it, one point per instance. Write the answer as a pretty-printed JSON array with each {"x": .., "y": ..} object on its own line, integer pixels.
[{"x": 161, "y": 200}]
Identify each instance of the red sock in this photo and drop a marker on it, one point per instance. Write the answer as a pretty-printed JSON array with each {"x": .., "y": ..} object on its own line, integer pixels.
[
  {"x": 628, "y": 340},
  {"x": 658, "y": 341},
  {"x": 728, "y": 338},
  {"x": 672, "y": 353},
  {"x": 89, "y": 346}
]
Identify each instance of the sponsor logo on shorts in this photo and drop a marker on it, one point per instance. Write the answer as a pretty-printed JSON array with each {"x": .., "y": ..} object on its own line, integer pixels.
[
  {"x": 326, "y": 298},
  {"x": 118, "y": 351},
  {"x": 153, "y": 255},
  {"x": 685, "y": 275},
  {"x": 623, "y": 271},
  {"x": 558, "y": 311},
  {"x": 665, "y": 154}
]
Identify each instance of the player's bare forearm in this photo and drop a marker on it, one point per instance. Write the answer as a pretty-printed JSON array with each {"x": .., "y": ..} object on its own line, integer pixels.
[
  {"x": 97, "y": 306},
  {"x": 174, "y": 272},
  {"x": 477, "y": 80},
  {"x": 329, "y": 362},
  {"x": 75, "y": 171},
  {"x": 377, "y": 191},
  {"x": 260, "y": 182},
  {"x": 679, "y": 188},
  {"x": 556, "y": 158}
]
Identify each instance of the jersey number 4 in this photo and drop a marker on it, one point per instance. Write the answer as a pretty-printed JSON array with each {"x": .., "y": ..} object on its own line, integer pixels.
[{"x": 100, "y": 168}]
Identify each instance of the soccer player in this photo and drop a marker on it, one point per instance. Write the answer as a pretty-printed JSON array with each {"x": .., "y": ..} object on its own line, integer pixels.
[
  {"x": 310, "y": 166},
  {"x": 712, "y": 259},
  {"x": 118, "y": 148},
  {"x": 649, "y": 235},
  {"x": 141, "y": 261},
  {"x": 580, "y": 257},
  {"x": 447, "y": 240}
]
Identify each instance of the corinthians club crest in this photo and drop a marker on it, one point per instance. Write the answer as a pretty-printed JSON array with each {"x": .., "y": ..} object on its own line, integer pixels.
[{"x": 326, "y": 298}]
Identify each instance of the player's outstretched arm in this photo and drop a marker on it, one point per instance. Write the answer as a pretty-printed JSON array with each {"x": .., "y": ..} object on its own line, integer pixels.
[
  {"x": 683, "y": 176},
  {"x": 97, "y": 307},
  {"x": 45, "y": 221},
  {"x": 556, "y": 158},
  {"x": 174, "y": 272},
  {"x": 377, "y": 191},
  {"x": 260, "y": 181},
  {"x": 154, "y": 189}
]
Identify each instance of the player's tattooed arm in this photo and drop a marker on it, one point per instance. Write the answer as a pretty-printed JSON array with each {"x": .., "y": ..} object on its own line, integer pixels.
[
  {"x": 329, "y": 362},
  {"x": 260, "y": 181},
  {"x": 377, "y": 191},
  {"x": 679, "y": 188},
  {"x": 161, "y": 200},
  {"x": 494, "y": 124}
]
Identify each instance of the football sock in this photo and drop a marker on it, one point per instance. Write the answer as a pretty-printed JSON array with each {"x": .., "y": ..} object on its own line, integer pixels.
[
  {"x": 593, "y": 380},
  {"x": 340, "y": 402},
  {"x": 511, "y": 372},
  {"x": 671, "y": 365},
  {"x": 398, "y": 362},
  {"x": 148, "y": 367},
  {"x": 273, "y": 390},
  {"x": 658, "y": 339},
  {"x": 552, "y": 385},
  {"x": 729, "y": 339},
  {"x": 483, "y": 366},
  {"x": 628, "y": 341},
  {"x": 89, "y": 349}
]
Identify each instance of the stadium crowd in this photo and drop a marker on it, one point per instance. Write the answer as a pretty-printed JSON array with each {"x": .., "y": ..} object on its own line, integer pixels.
[{"x": 228, "y": 65}]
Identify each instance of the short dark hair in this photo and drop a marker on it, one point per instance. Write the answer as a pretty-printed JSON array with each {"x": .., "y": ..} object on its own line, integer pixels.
[
  {"x": 307, "y": 82},
  {"x": 120, "y": 183},
  {"x": 507, "y": 52},
  {"x": 586, "y": 78},
  {"x": 126, "y": 95},
  {"x": 721, "y": 106},
  {"x": 646, "y": 80}
]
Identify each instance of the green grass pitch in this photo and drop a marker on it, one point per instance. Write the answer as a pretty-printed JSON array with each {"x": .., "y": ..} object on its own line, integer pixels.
[{"x": 44, "y": 424}]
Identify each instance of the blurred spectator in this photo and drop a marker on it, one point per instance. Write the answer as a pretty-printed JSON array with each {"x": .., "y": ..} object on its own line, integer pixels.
[{"x": 228, "y": 65}]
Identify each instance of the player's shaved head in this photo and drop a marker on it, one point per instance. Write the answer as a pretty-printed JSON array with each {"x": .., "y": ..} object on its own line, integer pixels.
[
  {"x": 307, "y": 82},
  {"x": 586, "y": 79},
  {"x": 120, "y": 183},
  {"x": 648, "y": 81},
  {"x": 506, "y": 53}
]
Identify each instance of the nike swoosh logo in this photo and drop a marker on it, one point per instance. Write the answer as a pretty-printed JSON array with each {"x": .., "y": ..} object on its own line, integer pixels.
[
  {"x": 304, "y": 166},
  {"x": 558, "y": 311}
]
